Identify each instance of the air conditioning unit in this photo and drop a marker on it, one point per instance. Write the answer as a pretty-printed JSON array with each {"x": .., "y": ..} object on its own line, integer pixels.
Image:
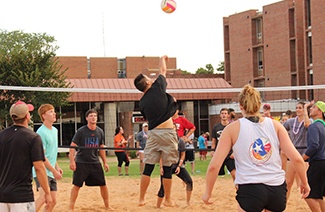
[
  {"x": 260, "y": 67},
  {"x": 259, "y": 35}
]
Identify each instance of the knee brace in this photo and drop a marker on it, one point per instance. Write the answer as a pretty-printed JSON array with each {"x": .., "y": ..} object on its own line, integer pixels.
[
  {"x": 167, "y": 172},
  {"x": 148, "y": 168}
]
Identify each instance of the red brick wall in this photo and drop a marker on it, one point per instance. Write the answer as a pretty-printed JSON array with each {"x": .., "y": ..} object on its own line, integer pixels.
[
  {"x": 240, "y": 39},
  {"x": 77, "y": 66},
  {"x": 137, "y": 65},
  {"x": 318, "y": 42},
  {"x": 284, "y": 53},
  {"x": 103, "y": 67}
]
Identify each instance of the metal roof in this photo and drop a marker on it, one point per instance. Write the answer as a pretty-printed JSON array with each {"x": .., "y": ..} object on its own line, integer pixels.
[{"x": 127, "y": 84}]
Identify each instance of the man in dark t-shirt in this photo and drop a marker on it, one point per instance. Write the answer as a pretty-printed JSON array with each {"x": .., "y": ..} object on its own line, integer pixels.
[
  {"x": 85, "y": 164},
  {"x": 20, "y": 150},
  {"x": 158, "y": 107},
  {"x": 229, "y": 162}
]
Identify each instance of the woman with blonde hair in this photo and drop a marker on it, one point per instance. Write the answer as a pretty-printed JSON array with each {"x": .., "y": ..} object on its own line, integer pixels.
[{"x": 256, "y": 142}]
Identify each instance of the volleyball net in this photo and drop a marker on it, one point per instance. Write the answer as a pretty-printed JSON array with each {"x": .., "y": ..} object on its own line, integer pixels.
[{"x": 281, "y": 99}]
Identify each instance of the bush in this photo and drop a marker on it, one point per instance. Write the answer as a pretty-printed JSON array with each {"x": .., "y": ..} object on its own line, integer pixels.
[{"x": 133, "y": 154}]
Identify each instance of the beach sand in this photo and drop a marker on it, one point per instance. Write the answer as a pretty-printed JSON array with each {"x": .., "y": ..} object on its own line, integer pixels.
[{"x": 124, "y": 195}]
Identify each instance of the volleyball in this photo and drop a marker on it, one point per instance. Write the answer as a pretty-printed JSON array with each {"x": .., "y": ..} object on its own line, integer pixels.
[{"x": 168, "y": 6}]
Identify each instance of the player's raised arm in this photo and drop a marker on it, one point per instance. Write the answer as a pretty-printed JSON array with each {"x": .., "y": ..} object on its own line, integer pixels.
[{"x": 162, "y": 65}]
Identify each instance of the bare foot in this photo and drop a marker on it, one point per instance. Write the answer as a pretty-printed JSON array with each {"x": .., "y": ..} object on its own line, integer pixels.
[
  {"x": 141, "y": 203},
  {"x": 169, "y": 204},
  {"x": 109, "y": 208}
]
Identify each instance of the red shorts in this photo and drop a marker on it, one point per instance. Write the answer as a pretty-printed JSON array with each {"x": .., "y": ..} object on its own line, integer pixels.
[{"x": 203, "y": 152}]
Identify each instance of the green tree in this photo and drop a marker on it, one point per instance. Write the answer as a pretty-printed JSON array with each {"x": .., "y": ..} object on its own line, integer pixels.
[
  {"x": 185, "y": 72},
  {"x": 221, "y": 67},
  {"x": 207, "y": 70},
  {"x": 28, "y": 59}
]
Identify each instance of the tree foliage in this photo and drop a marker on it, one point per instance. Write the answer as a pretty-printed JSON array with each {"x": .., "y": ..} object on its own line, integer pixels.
[
  {"x": 28, "y": 59},
  {"x": 207, "y": 70},
  {"x": 221, "y": 67},
  {"x": 210, "y": 70}
]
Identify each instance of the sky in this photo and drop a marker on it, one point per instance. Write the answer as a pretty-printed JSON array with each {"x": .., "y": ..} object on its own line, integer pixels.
[{"x": 124, "y": 28}]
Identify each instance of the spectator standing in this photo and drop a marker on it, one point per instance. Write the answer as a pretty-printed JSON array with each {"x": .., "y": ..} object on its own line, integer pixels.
[
  {"x": 267, "y": 111},
  {"x": 203, "y": 144},
  {"x": 185, "y": 130},
  {"x": 141, "y": 139},
  {"x": 120, "y": 143},
  {"x": 232, "y": 115}
]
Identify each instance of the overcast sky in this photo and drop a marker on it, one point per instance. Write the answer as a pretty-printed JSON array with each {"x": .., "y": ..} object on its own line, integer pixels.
[{"x": 120, "y": 28}]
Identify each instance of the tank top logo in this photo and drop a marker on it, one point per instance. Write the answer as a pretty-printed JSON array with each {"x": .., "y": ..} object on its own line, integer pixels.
[{"x": 260, "y": 151}]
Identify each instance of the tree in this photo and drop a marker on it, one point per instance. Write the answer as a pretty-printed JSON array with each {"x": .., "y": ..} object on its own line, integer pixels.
[
  {"x": 28, "y": 59},
  {"x": 185, "y": 72},
  {"x": 208, "y": 70},
  {"x": 221, "y": 67}
]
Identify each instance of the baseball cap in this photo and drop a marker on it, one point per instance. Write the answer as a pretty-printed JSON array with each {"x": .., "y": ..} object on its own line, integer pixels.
[
  {"x": 267, "y": 107},
  {"x": 20, "y": 109},
  {"x": 321, "y": 105},
  {"x": 145, "y": 125}
]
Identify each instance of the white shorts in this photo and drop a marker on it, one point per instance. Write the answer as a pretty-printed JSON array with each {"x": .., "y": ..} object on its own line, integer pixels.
[
  {"x": 17, "y": 207},
  {"x": 141, "y": 151}
]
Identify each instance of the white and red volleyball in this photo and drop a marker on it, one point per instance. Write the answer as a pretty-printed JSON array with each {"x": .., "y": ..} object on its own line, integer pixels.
[{"x": 168, "y": 6}]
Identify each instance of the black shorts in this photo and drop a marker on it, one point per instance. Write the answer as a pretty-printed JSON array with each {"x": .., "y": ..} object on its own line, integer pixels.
[
  {"x": 316, "y": 176},
  {"x": 256, "y": 197},
  {"x": 92, "y": 174},
  {"x": 52, "y": 183},
  {"x": 189, "y": 155},
  {"x": 229, "y": 163}
]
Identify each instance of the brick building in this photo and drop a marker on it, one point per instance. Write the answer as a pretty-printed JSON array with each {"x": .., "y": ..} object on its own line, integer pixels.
[
  {"x": 116, "y": 99},
  {"x": 282, "y": 45}
]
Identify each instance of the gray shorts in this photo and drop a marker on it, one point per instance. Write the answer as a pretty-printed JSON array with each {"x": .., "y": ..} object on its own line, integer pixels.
[
  {"x": 161, "y": 142},
  {"x": 52, "y": 183},
  {"x": 17, "y": 207}
]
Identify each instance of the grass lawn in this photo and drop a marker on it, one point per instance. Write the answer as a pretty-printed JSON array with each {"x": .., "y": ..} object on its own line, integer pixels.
[{"x": 200, "y": 167}]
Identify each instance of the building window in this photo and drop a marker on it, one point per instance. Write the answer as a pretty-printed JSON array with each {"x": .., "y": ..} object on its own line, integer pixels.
[
  {"x": 308, "y": 16},
  {"x": 260, "y": 59},
  {"x": 121, "y": 73},
  {"x": 88, "y": 68},
  {"x": 309, "y": 49},
  {"x": 259, "y": 33}
]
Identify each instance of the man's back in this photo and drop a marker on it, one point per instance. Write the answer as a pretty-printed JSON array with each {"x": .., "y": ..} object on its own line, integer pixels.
[
  {"x": 19, "y": 147},
  {"x": 157, "y": 105}
]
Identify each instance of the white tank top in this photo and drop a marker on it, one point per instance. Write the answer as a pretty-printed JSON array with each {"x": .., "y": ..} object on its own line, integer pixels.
[{"x": 257, "y": 154}]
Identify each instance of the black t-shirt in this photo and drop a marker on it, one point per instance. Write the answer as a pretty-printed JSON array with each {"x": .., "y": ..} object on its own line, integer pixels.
[
  {"x": 19, "y": 148},
  {"x": 156, "y": 105},
  {"x": 85, "y": 137},
  {"x": 216, "y": 131}
]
